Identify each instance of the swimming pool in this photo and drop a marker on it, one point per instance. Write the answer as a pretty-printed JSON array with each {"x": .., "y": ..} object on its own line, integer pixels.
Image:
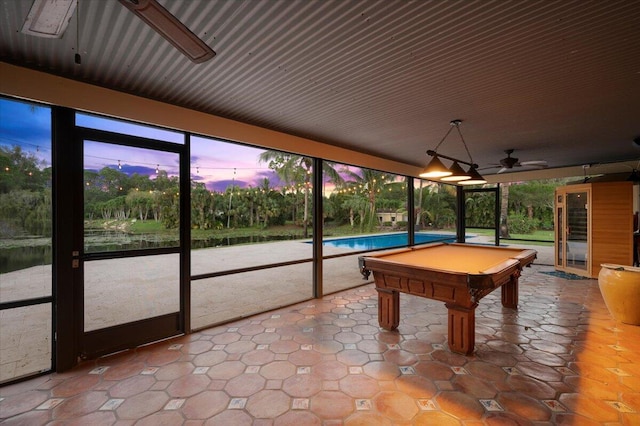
[{"x": 372, "y": 242}]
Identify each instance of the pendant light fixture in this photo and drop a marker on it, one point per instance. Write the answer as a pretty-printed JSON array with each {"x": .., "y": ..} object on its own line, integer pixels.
[{"x": 454, "y": 174}]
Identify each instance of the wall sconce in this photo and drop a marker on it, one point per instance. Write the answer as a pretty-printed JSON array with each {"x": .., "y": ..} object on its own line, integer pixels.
[{"x": 455, "y": 174}]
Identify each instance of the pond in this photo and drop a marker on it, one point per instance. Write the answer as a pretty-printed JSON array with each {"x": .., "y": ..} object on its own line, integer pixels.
[{"x": 14, "y": 259}]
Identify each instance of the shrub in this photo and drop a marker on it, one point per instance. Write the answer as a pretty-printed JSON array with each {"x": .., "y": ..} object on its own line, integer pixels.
[{"x": 521, "y": 224}]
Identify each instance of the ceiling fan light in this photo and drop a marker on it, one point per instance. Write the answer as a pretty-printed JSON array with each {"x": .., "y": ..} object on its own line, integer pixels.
[
  {"x": 457, "y": 174},
  {"x": 435, "y": 169},
  {"x": 476, "y": 178}
]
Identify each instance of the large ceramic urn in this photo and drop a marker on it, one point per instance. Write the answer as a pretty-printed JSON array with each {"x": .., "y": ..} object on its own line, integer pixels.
[{"x": 620, "y": 288}]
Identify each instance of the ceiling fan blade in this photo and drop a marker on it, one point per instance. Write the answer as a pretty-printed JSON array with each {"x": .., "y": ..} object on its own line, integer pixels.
[
  {"x": 169, "y": 27},
  {"x": 502, "y": 170},
  {"x": 534, "y": 163}
]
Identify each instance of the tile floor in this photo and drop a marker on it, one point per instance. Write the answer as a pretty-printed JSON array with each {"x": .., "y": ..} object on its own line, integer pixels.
[{"x": 558, "y": 359}]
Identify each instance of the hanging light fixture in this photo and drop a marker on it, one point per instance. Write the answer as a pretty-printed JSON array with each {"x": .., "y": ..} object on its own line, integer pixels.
[
  {"x": 435, "y": 169},
  {"x": 455, "y": 173},
  {"x": 476, "y": 177}
]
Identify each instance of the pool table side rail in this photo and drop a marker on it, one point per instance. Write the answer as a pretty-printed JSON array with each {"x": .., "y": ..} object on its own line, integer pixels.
[{"x": 447, "y": 286}]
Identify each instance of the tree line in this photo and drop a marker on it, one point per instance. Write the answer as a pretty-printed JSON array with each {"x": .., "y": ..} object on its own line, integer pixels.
[{"x": 355, "y": 199}]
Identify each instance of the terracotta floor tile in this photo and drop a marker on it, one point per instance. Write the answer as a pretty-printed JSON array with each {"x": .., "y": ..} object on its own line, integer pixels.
[
  {"x": 278, "y": 370},
  {"x": 297, "y": 418},
  {"x": 367, "y": 419},
  {"x": 540, "y": 372},
  {"x": 226, "y": 370},
  {"x": 75, "y": 386},
  {"x": 524, "y": 406},
  {"x": 359, "y": 386},
  {"x": 544, "y": 358},
  {"x": 143, "y": 404},
  {"x": 230, "y": 417},
  {"x": 486, "y": 371},
  {"x": 161, "y": 419},
  {"x": 80, "y": 405},
  {"x": 20, "y": 403},
  {"x": 305, "y": 357},
  {"x": 327, "y": 362},
  {"x": 131, "y": 386},
  {"x": 95, "y": 418},
  {"x": 268, "y": 404},
  {"x": 330, "y": 370},
  {"x": 417, "y": 387},
  {"x": 382, "y": 370},
  {"x": 245, "y": 385},
  {"x": 123, "y": 370},
  {"x": 395, "y": 406},
  {"x": 332, "y": 405},
  {"x": 434, "y": 370},
  {"x": 353, "y": 357},
  {"x": 174, "y": 371},
  {"x": 460, "y": 405},
  {"x": 474, "y": 386},
  {"x": 435, "y": 418},
  {"x": 162, "y": 357},
  {"x": 589, "y": 407},
  {"x": 205, "y": 405},
  {"x": 188, "y": 386}
]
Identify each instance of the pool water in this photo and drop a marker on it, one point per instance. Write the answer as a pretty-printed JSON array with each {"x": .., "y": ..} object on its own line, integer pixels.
[{"x": 373, "y": 242}]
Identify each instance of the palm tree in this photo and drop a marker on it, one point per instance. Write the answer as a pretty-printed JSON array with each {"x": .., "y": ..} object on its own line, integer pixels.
[
  {"x": 504, "y": 210},
  {"x": 296, "y": 170},
  {"x": 369, "y": 185}
]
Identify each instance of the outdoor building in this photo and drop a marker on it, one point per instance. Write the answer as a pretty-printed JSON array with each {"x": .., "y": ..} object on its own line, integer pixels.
[{"x": 192, "y": 221}]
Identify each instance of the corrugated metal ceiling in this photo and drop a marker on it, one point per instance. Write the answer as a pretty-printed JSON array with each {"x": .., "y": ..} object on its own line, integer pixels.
[{"x": 556, "y": 80}]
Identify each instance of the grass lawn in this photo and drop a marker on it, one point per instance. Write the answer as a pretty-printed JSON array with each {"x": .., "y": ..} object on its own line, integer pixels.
[{"x": 539, "y": 237}]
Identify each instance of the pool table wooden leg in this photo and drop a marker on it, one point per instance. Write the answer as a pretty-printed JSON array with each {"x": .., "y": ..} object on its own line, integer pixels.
[
  {"x": 462, "y": 329},
  {"x": 510, "y": 293},
  {"x": 388, "y": 309}
]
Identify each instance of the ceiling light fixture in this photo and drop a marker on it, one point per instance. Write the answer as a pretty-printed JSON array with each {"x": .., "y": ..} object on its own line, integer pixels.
[
  {"x": 48, "y": 18},
  {"x": 455, "y": 173},
  {"x": 169, "y": 27}
]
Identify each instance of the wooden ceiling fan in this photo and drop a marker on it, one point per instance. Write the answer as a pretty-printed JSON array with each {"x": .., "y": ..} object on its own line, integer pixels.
[{"x": 169, "y": 27}]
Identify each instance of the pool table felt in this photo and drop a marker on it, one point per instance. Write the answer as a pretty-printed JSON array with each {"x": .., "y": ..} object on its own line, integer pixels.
[{"x": 458, "y": 258}]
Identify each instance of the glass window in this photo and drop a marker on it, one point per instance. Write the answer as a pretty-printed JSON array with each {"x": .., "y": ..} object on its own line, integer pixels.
[
  {"x": 121, "y": 290},
  {"x": 131, "y": 198},
  {"x": 250, "y": 208},
  {"x": 128, "y": 128},
  {"x": 364, "y": 209},
  {"x": 25, "y": 237},
  {"x": 435, "y": 211},
  {"x": 221, "y": 299}
]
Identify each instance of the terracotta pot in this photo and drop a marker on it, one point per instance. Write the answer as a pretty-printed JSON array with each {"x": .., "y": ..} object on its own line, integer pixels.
[{"x": 620, "y": 288}]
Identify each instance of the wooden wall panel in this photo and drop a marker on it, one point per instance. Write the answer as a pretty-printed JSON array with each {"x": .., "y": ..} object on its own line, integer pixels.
[{"x": 611, "y": 224}]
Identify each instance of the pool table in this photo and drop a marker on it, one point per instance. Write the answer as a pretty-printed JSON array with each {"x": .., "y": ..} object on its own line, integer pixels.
[{"x": 457, "y": 274}]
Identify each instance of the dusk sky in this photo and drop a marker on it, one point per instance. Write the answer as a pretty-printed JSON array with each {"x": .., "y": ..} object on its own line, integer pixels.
[{"x": 216, "y": 163}]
